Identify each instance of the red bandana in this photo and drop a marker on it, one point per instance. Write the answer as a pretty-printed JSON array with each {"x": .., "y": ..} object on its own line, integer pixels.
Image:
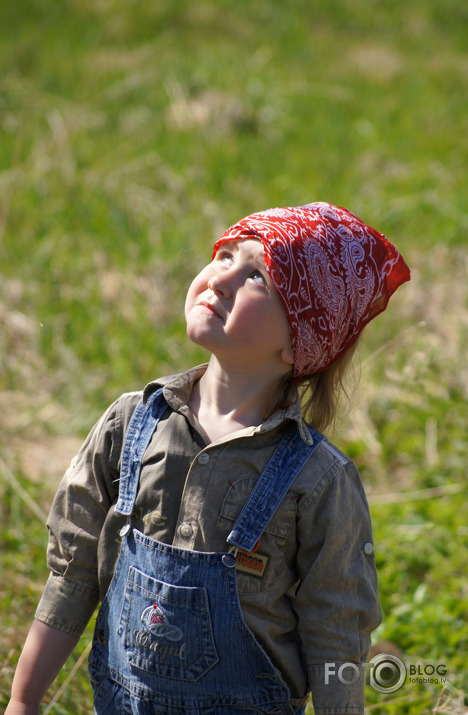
[{"x": 332, "y": 272}]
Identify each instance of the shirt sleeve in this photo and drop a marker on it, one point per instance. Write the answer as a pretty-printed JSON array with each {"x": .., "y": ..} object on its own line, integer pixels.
[
  {"x": 83, "y": 499},
  {"x": 337, "y": 602}
]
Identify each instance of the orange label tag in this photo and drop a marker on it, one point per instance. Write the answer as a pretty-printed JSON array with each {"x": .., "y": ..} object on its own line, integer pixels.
[{"x": 253, "y": 564}]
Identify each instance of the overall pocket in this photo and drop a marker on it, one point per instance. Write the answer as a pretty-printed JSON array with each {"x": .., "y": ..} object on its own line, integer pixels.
[{"x": 166, "y": 629}]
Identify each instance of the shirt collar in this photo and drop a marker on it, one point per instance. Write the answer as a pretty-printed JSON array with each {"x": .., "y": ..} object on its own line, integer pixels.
[{"x": 178, "y": 388}]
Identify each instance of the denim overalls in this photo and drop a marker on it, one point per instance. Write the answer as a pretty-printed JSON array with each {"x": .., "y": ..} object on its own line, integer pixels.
[{"x": 170, "y": 638}]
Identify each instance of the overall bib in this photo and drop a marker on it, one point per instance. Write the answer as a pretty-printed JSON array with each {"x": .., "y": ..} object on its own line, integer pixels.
[{"x": 170, "y": 638}]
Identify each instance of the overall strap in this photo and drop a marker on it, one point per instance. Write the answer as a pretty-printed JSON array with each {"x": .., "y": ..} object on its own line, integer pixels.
[
  {"x": 272, "y": 486},
  {"x": 137, "y": 437}
]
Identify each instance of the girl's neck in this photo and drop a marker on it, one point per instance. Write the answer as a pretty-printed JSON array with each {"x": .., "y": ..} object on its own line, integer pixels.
[{"x": 226, "y": 401}]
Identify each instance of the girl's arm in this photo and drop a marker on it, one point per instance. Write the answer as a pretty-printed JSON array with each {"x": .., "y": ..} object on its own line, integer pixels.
[
  {"x": 80, "y": 507},
  {"x": 337, "y": 601},
  {"x": 44, "y": 653}
]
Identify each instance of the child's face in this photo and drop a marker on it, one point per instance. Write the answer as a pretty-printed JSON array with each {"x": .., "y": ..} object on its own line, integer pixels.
[{"x": 233, "y": 310}]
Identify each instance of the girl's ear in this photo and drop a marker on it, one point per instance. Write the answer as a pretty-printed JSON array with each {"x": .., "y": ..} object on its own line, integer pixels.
[{"x": 287, "y": 355}]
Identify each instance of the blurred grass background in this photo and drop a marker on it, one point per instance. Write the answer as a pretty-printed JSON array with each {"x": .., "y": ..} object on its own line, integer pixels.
[{"x": 131, "y": 135}]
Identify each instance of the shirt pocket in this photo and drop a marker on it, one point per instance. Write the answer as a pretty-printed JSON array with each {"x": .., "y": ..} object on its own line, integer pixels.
[{"x": 264, "y": 569}]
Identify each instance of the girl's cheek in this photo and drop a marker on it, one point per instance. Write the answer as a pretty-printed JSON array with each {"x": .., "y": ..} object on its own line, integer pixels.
[{"x": 189, "y": 299}]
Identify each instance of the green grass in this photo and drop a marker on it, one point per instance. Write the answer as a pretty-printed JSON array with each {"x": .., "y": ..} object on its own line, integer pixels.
[{"x": 131, "y": 135}]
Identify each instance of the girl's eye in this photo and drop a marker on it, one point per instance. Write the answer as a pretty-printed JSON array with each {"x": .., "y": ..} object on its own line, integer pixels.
[
  {"x": 258, "y": 278},
  {"x": 225, "y": 257}
]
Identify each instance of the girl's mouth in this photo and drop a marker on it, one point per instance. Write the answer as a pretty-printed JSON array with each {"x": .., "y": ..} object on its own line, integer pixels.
[{"x": 210, "y": 308}]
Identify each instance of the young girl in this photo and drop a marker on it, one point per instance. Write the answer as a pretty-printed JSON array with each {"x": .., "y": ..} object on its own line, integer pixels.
[{"x": 229, "y": 542}]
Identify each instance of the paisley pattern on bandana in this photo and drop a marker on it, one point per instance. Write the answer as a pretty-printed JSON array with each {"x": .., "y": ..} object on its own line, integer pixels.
[{"x": 333, "y": 274}]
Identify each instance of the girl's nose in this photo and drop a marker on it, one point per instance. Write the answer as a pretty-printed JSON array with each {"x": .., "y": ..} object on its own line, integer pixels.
[{"x": 220, "y": 283}]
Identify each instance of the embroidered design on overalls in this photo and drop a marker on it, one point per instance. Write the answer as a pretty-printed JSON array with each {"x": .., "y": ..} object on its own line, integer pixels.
[
  {"x": 162, "y": 651},
  {"x": 158, "y": 624}
]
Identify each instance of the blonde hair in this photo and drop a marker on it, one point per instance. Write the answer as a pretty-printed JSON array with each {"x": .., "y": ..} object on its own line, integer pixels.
[{"x": 320, "y": 395}]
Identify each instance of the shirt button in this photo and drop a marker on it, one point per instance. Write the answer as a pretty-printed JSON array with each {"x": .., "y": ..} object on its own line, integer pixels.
[
  {"x": 203, "y": 458},
  {"x": 186, "y": 530},
  {"x": 369, "y": 548}
]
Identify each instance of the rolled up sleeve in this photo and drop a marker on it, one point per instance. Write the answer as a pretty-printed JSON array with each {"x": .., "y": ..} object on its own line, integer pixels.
[
  {"x": 337, "y": 602},
  {"x": 66, "y": 605}
]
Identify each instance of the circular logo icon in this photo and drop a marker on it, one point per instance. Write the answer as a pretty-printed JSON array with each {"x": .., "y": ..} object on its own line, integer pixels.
[{"x": 387, "y": 673}]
